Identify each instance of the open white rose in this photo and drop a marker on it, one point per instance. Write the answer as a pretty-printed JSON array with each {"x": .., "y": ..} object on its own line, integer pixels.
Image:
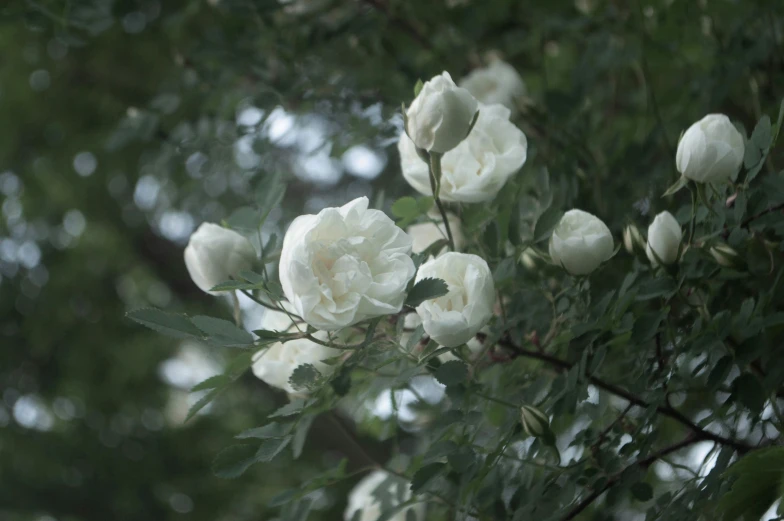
[
  {"x": 711, "y": 150},
  {"x": 479, "y": 167},
  {"x": 427, "y": 233},
  {"x": 345, "y": 265},
  {"x": 276, "y": 363},
  {"x": 498, "y": 82},
  {"x": 440, "y": 116},
  {"x": 580, "y": 242},
  {"x": 456, "y": 317},
  {"x": 664, "y": 239},
  {"x": 215, "y": 254},
  {"x": 365, "y": 497}
]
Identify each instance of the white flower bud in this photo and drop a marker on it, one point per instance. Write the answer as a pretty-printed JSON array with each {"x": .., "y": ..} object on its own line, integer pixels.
[
  {"x": 664, "y": 239},
  {"x": 457, "y": 317},
  {"x": 498, "y": 82},
  {"x": 711, "y": 150},
  {"x": 441, "y": 115},
  {"x": 365, "y": 497},
  {"x": 345, "y": 265},
  {"x": 632, "y": 239},
  {"x": 580, "y": 242},
  {"x": 479, "y": 167},
  {"x": 725, "y": 255},
  {"x": 215, "y": 254}
]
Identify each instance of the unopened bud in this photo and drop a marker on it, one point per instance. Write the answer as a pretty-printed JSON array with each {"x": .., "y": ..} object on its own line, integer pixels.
[
  {"x": 535, "y": 422},
  {"x": 725, "y": 255},
  {"x": 530, "y": 259},
  {"x": 632, "y": 239}
]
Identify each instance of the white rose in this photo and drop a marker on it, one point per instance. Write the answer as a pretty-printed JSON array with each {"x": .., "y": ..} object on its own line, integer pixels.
[
  {"x": 364, "y": 497},
  {"x": 276, "y": 363},
  {"x": 711, "y": 150},
  {"x": 215, "y": 254},
  {"x": 475, "y": 347},
  {"x": 457, "y": 317},
  {"x": 664, "y": 239},
  {"x": 345, "y": 265},
  {"x": 580, "y": 242},
  {"x": 498, "y": 82},
  {"x": 479, "y": 167},
  {"x": 440, "y": 116},
  {"x": 427, "y": 233}
]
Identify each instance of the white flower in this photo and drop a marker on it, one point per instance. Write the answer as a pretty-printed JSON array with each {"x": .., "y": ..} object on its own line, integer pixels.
[
  {"x": 479, "y": 167},
  {"x": 456, "y": 317},
  {"x": 498, "y": 82},
  {"x": 580, "y": 242},
  {"x": 664, "y": 239},
  {"x": 427, "y": 233},
  {"x": 711, "y": 150},
  {"x": 365, "y": 497},
  {"x": 345, "y": 265},
  {"x": 440, "y": 116},
  {"x": 215, "y": 254},
  {"x": 475, "y": 347},
  {"x": 276, "y": 363}
]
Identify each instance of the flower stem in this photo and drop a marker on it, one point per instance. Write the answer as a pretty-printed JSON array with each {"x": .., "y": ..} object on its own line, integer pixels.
[{"x": 435, "y": 186}]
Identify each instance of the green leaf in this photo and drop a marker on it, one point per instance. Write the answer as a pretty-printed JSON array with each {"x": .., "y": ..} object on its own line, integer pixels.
[
  {"x": 271, "y": 447},
  {"x": 424, "y": 475},
  {"x": 642, "y": 491},
  {"x": 407, "y": 209},
  {"x": 750, "y": 392},
  {"x": 219, "y": 380},
  {"x": 232, "y": 285},
  {"x": 719, "y": 372},
  {"x": 233, "y": 461},
  {"x": 170, "y": 324},
  {"x": 304, "y": 377},
  {"x": 203, "y": 402},
  {"x": 271, "y": 430},
  {"x": 779, "y": 120},
  {"x": 546, "y": 223},
  {"x": 758, "y": 480},
  {"x": 453, "y": 372},
  {"x": 426, "y": 289},
  {"x": 293, "y": 407},
  {"x": 222, "y": 332}
]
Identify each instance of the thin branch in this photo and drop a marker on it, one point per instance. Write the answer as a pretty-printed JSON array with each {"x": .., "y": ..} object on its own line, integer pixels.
[
  {"x": 745, "y": 223},
  {"x": 646, "y": 462}
]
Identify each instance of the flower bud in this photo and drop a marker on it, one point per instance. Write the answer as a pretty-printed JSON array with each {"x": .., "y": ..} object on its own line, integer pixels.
[
  {"x": 725, "y": 255},
  {"x": 441, "y": 115},
  {"x": 664, "y": 239},
  {"x": 535, "y": 422},
  {"x": 632, "y": 239},
  {"x": 711, "y": 150},
  {"x": 215, "y": 254},
  {"x": 580, "y": 242}
]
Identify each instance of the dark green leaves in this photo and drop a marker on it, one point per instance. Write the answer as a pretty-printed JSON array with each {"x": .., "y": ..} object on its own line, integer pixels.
[
  {"x": 546, "y": 222},
  {"x": 758, "y": 480},
  {"x": 304, "y": 377},
  {"x": 232, "y": 461},
  {"x": 426, "y": 289},
  {"x": 222, "y": 332},
  {"x": 453, "y": 372},
  {"x": 424, "y": 475}
]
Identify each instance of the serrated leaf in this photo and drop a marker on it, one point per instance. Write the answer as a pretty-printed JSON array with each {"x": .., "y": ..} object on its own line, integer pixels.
[
  {"x": 546, "y": 223},
  {"x": 426, "y": 289},
  {"x": 170, "y": 324},
  {"x": 203, "y": 402},
  {"x": 453, "y": 372},
  {"x": 271, "y": 430},
  {"x": 293, "y": 407},
  {"x": 233, "y": 461},
  {"x": 425, "y": 475},
  {"x": 304, "y": 377},
  {"x": 222, "y": 332},
  {"x": 271, "y": 447},
  {"x": 232, "y": 285}
]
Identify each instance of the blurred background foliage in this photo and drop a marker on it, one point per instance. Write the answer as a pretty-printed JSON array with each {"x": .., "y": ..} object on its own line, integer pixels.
[{"x": 129, "y": 122}]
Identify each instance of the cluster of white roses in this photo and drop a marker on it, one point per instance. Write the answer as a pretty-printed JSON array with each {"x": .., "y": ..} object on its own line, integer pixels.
[{"x": 349, "y": 264}]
